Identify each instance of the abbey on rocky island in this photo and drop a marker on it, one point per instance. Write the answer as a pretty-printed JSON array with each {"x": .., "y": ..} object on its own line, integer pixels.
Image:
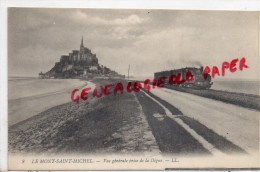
[{"x": 79, "y": 63}]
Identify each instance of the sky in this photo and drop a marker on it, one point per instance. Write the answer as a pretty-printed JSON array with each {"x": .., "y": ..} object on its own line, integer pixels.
[{"x": 148, "y": 40}]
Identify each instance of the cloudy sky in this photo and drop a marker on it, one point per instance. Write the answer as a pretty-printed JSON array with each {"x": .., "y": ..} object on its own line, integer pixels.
[{"x": 148, "y": 40}]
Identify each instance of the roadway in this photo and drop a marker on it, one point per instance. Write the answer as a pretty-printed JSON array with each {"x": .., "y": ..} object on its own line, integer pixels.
[{"x": 182, "y": 122}]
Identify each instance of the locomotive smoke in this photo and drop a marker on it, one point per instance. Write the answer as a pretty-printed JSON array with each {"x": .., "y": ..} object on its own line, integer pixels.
[
  {"x": 191, "y": 63},
  {"x": 196, "y": 63}
]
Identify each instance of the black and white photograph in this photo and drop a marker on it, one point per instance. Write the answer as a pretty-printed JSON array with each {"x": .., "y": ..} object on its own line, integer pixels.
[{"x": 132, "y": 89}]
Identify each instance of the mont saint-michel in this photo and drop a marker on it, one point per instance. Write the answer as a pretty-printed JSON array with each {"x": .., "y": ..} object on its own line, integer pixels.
[{"x": 80, "y": 63}]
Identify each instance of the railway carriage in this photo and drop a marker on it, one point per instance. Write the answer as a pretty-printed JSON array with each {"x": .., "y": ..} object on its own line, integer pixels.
[{"x": 199, "y": 81}]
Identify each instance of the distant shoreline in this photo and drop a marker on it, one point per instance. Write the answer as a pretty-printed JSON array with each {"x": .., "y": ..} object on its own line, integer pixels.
[
  {"x": 21, "y": 77},
  {"x": 140, "y": 77}
]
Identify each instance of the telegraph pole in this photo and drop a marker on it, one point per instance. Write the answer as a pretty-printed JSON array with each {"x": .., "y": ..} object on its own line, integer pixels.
[{"x": 128, "y": 71}]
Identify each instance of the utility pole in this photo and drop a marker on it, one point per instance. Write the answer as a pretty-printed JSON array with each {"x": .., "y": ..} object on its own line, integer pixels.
[{"x": 128, "y": 71}]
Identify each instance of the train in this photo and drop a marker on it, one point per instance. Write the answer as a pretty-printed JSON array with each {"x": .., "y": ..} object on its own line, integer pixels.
[{"x": 199, "y": 81}]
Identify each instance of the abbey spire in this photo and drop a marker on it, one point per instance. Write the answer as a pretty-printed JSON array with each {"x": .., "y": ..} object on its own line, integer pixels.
[{"x": 82, "y": 45}]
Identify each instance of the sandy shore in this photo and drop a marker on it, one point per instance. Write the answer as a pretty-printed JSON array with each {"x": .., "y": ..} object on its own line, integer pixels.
[{"x": 30, "y": 97}]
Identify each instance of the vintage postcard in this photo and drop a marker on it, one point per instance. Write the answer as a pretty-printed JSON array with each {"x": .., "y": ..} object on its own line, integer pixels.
[{"x": 132, "y": 89}]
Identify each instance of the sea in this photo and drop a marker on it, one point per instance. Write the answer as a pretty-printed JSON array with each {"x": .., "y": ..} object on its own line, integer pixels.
[
  {"x": 28, "y": 96},
  {"x": 239, "y": 86},
  {"x": 21, "y": 87}
]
